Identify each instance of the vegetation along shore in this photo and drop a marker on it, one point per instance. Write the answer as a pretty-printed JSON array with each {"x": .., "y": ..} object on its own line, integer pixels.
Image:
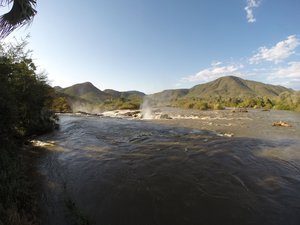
[
  {"x": 25, "y": 111},
  {"x": 224, "y": 92}
]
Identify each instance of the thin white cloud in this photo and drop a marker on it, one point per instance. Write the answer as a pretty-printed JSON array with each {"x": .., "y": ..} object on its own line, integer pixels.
[
  {"x": 291, "y": 72},
  {"x": 285, "y": 73},
  {"x": 277, "y": 53},
  {"x": 251, "y": 4},
  {"x": 215, "y": 72},
  {"x": 216, "y": 63}
]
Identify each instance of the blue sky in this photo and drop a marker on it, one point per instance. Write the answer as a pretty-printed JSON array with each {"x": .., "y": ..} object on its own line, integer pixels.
[{"x": 151, "y": 45}]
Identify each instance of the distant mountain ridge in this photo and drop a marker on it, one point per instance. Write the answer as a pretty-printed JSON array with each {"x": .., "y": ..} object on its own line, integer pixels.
[
  {"x": 232, "y": 86},
  {"x": 225, "y": 87},
  {"x": 87, "y": 92},
  {"x": 164, "y": 97},
  {"x": 124, "y": 94}
]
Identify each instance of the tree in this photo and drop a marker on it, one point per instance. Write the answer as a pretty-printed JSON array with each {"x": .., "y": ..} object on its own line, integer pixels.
[
  {"x": 8, "y": 109},
  {"x": 21, "y": 13},
  {"x": 25, "y": 96},
  {"x": 60, "y": 104}
]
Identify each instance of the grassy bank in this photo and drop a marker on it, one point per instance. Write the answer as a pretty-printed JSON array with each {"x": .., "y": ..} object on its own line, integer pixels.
[{"x": 18, "y": 200}]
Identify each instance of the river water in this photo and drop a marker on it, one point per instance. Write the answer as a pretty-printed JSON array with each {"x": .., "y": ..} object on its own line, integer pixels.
[{"x": 110, "y": 171}]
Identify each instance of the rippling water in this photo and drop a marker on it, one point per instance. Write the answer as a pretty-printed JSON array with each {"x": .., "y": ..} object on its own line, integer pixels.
[{"x": 119, "y": 171}]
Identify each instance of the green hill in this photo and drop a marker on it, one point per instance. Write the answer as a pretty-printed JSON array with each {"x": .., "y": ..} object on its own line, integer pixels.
[
  {"x": 235, "y": 87},
  {"x": 224, "y": 87},
  {"x": 226, "y": 91},
  {"x": 166, "y": 96},
  {"x": 88, "y": 98},
  {"x": 125, "y": 94},
  {"x": 86, "y": 91}
]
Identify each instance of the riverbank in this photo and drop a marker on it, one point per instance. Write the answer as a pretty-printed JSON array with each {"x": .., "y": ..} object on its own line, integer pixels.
[{"x": 19, "y": 184}]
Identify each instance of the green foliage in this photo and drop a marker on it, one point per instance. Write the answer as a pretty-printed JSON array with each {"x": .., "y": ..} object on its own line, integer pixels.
[
  {"x": 288, "y": 101},
  {"x": 194, "y": 103},
  {"x": 25, "y": 95},
  {"x": 201, "y": 105},
  {"x": 285, "y": 101},
  {"x": 122, "y": 103},
  {"x": 297, "y": 108},
  {"x": 25, "y": 101},
  {"x": 60, "y": 104},
  {"x": 282, "y": 106},
  {"x": 251, "y": 103},
  {"x": 217, "y": 106}
]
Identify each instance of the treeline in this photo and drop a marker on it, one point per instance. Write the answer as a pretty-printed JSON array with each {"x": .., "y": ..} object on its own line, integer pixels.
[
  {"x": 122, "y": 103},
  {"x": 285, "y": 101},
  {"x": 288, "y": 101},
  {"x": 65, "y": 104},
  {"x": 61, "y": 104},
  {"x": 25, "y": 110}
]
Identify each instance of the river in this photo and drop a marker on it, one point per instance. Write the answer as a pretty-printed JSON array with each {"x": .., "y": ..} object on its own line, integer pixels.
[{"x": 113, "y": 171}]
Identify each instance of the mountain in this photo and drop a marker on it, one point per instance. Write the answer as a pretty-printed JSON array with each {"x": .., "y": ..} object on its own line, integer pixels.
[
  {"x": 166, "y": 96},
  {"x": 88, "y": 98},
  {"x": 125, "y": 94},
  {"x": 86, "y": 91},
  {"x": 224, "y": 87},
  {"x": 85, "y": 95},
  {"x": 231, "y": 86},
  {"x": 57, "y": 88}
]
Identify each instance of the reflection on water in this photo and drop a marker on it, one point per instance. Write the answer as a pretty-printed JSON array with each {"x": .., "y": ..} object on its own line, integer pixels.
[{"x": 134, "y": 172}]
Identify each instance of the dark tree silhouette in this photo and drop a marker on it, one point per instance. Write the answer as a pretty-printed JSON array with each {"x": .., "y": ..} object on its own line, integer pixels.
[{"x": 21, "y": 13}]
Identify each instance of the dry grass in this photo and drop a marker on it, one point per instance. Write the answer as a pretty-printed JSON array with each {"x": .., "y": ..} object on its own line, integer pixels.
[{"x": 18, "y": 205}]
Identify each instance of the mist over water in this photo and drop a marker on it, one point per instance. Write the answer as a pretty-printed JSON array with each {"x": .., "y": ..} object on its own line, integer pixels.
[
  {"x": 119, "y": 171},
  {"x": 146, "y": 109}
]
